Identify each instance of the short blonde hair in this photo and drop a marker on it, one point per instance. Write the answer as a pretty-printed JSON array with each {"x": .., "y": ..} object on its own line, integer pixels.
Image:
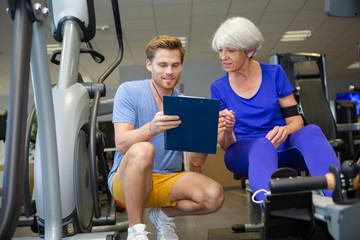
[
  {"x": 237, "y": 33},
  {"x": 166, "y": 42}
]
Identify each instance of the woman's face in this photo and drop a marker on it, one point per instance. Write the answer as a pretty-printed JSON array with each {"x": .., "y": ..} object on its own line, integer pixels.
[{"x": 232, "y": 59}]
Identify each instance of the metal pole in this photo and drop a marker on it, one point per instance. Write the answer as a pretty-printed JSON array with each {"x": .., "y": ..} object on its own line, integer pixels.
[
  {"x": 325, "y": 77},
  {"x": 69, "y": 61},
  {"x": 16, "y": 123},
  {"x": 47, "y": 134}
]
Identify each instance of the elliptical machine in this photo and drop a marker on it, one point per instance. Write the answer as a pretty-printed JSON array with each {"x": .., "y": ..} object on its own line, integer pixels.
[{"x": 67, "y": 201}]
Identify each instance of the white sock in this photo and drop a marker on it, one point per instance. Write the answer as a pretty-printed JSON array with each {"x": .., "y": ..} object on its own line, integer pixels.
[
  {"x": 161, "y": 214},
  {"x": 137, "y": 227}
]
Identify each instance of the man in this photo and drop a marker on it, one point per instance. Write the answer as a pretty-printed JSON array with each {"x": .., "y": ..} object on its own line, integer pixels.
[{"x": 144, "y": 174}]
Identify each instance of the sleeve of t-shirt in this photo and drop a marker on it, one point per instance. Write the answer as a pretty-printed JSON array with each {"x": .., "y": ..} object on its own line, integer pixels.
[
  {"x": 124, "y": 110},
  {"x": 216, "y": 95},
  {"x": 283, "y": 85}
]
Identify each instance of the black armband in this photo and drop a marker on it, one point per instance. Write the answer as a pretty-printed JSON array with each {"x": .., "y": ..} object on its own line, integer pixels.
[{"x": 291, "y": 111}]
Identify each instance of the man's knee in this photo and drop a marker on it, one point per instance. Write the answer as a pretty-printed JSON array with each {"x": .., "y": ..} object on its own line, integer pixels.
[
  {"x": 141, "y": 155},
  {"x": 214, "y": 198}
]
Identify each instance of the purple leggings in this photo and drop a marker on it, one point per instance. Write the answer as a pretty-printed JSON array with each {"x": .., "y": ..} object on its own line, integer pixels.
[{"x": 257, "y": 158}]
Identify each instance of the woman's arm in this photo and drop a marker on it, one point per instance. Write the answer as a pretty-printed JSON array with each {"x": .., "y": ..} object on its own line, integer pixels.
[
  {"x": 279, "y": 134},
  {"x": 293, "y": 123}
]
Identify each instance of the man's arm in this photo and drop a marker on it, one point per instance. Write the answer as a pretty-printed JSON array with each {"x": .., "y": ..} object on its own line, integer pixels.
[
  {"x": 197, "y": 158},
  {"x": 126, "y": 135}
]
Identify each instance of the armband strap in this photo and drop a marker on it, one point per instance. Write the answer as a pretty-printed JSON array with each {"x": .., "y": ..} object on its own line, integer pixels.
[{"x": 291, "y": 111}]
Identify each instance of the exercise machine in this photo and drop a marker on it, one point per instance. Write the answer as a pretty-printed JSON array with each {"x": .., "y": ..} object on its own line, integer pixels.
[
  {"x": 67, "y": 143},
  {"x": 340, "y": 213}
]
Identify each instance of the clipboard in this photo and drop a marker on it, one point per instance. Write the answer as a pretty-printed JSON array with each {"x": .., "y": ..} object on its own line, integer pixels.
[{"x": 199, "y": 124}]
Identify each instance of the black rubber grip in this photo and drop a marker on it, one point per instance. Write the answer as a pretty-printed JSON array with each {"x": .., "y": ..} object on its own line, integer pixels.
[{"x": 297, "y": 184}]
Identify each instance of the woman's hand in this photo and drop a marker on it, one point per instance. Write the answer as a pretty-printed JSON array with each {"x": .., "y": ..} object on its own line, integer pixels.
[
  {"x": 277, "y": 135},
  {"x": 161, "y": 122},
  {"x": 226, "y": 121},
  {"x": 226, "y": 135}
]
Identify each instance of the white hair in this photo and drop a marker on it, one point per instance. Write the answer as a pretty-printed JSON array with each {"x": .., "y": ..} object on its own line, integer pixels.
[{"x": 237, "y": 33}]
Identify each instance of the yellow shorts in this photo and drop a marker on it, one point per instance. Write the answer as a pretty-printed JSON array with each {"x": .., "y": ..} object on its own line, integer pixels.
[{"x": 160, "y": 194}]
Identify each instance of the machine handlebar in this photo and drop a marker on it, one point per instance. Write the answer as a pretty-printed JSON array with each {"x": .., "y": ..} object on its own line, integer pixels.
[{"x": 338, "y": 181}]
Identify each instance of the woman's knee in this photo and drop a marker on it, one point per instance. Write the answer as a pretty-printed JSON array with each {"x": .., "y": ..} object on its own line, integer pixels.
[
  {"x": 308, "y": 134},
  {"x": 238, "y": 156},
  {"x": 262, "y": 148},
  {"x": 247, "y": 145},
  {"x": 312, "y": 129},
  {"x": 262, "y": 143}
]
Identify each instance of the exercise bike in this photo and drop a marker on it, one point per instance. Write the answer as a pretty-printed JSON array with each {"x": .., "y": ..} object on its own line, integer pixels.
[
  {"x": 67, "y": 143},
  {"x": 292, "y": 198}
]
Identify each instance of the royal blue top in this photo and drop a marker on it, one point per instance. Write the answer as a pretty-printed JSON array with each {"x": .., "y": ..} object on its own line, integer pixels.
[{"x": 255, "y": 116}]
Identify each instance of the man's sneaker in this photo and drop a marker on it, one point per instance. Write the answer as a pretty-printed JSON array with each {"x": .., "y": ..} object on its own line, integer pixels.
[
  {"x": 165, "y": 227},
  {"x": 137, "y": 232}
]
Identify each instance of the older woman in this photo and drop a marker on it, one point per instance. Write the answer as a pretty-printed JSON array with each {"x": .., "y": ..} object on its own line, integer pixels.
[{"x": 257, "y": 137}]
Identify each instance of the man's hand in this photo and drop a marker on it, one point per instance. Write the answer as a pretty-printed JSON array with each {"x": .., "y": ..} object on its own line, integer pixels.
[
  {"x": 277, "y": 135},
  {"x": 161, "y": 122}
]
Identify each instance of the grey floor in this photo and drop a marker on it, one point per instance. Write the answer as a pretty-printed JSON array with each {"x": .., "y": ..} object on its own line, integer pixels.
[{"x": 234, "y": 210}]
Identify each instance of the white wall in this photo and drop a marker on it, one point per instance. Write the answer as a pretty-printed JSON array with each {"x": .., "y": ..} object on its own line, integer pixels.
[{"x": 341, "y": 84}]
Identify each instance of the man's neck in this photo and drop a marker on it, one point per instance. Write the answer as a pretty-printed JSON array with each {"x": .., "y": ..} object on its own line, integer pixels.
[{"x": 160, "y": 91}]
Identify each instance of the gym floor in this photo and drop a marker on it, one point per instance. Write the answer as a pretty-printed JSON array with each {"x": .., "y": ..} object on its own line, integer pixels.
[{"x": 212, "y": 227}]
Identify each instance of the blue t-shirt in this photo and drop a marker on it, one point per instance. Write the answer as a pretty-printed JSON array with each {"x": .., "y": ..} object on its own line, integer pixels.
[
  {"x": 134, "y": 103},
  {"x": 255, "y": 116}
]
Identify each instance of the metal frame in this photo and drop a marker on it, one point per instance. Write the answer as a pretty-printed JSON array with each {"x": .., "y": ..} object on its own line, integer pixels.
[{"x": 29, "y": 34}]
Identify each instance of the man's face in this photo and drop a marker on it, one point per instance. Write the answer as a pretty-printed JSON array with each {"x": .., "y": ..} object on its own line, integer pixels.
[{"x": 165, "y": 68}]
